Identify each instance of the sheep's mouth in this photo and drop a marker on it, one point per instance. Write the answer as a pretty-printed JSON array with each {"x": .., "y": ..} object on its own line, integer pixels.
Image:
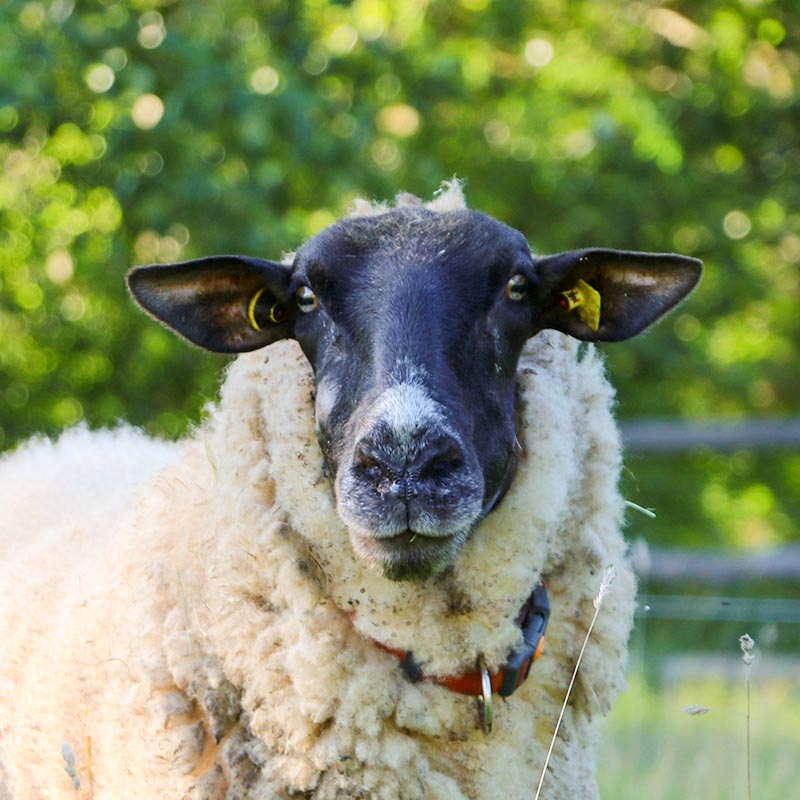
[
  {"x": 409, "y": 538},
  {"x": 410, "y": 555}
]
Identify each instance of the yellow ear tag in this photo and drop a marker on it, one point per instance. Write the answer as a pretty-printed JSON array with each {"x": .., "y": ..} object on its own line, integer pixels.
[
  {"x": 277, "y": 311},
  {"x": 251, "y": 309},
  {"x": 584, "y": 298}
]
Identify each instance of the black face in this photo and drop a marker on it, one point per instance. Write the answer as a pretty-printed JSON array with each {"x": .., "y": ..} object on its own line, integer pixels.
[
  {"x": 413, "y": 321},
  {"x": 414, "y": 342}
]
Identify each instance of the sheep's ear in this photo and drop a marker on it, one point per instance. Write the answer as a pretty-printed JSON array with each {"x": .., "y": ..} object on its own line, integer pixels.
[
  {"x": 608, "y": 295},
  {"x": 227, "y": 304}
]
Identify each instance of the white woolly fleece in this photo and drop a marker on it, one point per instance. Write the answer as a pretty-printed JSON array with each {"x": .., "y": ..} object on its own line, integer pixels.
[{"x": 192, "y": 622}]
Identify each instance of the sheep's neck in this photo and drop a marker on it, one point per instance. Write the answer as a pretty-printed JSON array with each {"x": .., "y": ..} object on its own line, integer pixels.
[{"x": 532, "y": 619}]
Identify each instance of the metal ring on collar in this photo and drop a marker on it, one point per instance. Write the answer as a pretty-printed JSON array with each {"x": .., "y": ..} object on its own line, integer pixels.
[{"x": 485, "y": 700}]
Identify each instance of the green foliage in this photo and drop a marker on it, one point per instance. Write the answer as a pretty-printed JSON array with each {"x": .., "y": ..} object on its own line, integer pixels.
[
  {"x": 741, "y": 500},
  {"x": 136, "y": 131}
]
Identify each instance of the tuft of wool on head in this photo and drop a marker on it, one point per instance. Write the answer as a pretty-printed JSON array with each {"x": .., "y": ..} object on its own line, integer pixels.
[{"x": 449, "y": 197}]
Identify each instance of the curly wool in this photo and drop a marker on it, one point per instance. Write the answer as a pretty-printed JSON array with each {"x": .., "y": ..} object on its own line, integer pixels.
[{"x": 218, "y": 638}]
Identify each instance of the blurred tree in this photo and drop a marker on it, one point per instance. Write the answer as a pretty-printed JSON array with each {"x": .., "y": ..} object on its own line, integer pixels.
[{"x": 151, "y": 130}]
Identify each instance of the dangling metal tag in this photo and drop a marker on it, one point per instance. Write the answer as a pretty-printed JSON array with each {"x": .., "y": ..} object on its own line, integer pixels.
[{"x": 485, "y": 700}]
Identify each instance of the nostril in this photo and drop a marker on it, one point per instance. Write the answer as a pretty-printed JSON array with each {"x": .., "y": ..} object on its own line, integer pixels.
[
  {"x": 441, "y": 457},
  {"x": 431, "y": 459},
  {"x": 367, "y": 461},
  {"x": 451, "y": 454},
  {"x": 364, "y": 455}
]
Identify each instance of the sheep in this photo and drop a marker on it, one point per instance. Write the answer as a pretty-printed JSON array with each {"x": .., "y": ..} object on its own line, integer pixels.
[{"x": 319, "y": 590}]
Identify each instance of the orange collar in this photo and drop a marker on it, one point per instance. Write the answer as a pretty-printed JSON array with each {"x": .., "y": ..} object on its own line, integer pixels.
[{"x": 533, "y": 618}]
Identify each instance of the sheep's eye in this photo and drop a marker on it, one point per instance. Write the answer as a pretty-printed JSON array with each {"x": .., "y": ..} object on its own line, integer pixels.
[
  {"x": 306, "y": 299},
  {"x": 517, "y": 287}
]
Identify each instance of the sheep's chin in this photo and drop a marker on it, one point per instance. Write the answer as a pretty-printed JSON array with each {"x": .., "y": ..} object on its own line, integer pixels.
[{"x": 408, "y": 556}]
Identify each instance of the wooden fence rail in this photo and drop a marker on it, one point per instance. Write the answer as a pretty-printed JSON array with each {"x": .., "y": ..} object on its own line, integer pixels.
[
  {"x": 709, "y": 567},
  {"x": 716, "y": 567},
  {"x": 673, "y": 436}
]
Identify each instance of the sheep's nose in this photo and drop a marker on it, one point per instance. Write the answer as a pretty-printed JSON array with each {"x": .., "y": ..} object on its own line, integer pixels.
[{"x": 399, "y": 470}]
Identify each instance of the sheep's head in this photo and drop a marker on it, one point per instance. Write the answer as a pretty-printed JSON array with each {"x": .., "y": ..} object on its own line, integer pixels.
[{"x": 413, "y": 321}]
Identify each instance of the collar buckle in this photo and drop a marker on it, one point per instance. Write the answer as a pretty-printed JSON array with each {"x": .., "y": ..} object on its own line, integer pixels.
[{"x": 534, "y": 624}]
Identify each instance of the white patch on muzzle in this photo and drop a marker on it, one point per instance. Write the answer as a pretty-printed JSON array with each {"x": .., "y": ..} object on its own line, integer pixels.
[{"x": 407, "y": 410}]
